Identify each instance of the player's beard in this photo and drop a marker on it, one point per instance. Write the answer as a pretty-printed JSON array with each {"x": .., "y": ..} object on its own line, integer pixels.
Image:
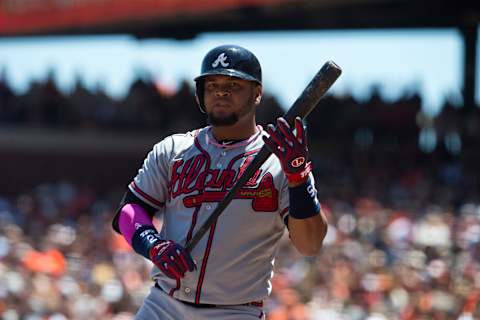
[
  {"x": 228, "y": 120},
  {"x": 231, "y": 118}
]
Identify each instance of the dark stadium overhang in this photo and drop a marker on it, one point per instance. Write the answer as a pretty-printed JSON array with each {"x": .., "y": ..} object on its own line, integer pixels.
[
  {"x": 321, "y": 15},
  {"x": 183, "y": 19}
]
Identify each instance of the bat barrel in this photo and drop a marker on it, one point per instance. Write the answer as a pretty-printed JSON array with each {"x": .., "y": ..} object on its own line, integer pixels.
[{"x": 314, "y": 91}]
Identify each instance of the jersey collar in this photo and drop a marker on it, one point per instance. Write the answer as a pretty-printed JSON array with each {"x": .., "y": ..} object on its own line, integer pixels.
[{"x": 210, "y": 139}]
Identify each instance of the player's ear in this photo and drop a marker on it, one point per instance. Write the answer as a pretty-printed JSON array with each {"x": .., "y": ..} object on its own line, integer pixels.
[{"x": 258, "y": 94}]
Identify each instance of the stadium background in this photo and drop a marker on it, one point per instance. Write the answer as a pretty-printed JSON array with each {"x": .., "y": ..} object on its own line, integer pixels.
[{"x": 404, "y": 211}]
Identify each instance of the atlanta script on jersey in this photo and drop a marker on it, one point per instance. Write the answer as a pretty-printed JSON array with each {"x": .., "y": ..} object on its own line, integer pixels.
[{"x": 185, "y": 176}]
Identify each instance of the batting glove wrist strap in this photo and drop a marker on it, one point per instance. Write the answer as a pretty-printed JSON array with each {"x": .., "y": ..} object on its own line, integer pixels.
[
  {"x": 303, "y": 200},
  {"x": 144, "y": 239},
  {"x": 300, "y": 177}
]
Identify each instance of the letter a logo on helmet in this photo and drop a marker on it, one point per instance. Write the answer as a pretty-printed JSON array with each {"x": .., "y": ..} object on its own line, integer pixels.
[{"x": 221, "y": 60}]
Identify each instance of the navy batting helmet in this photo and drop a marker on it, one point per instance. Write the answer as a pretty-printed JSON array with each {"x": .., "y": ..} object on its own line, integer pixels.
[{"x": 228, "y": 60}]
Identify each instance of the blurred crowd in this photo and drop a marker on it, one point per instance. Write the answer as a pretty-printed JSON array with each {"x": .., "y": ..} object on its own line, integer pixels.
[
  {"x": 60, "y": 259},
  {"x": 148, "y": 106},
  {"x": 404, "y": 217}
]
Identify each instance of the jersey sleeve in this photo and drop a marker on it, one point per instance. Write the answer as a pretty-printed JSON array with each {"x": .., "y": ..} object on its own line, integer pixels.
[{"x": 151, "y": 182}]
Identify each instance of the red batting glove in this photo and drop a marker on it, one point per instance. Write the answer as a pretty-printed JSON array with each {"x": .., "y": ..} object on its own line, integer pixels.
[
  {"x": 291, "y": 149},
  {"x": 172, "y": 259}
]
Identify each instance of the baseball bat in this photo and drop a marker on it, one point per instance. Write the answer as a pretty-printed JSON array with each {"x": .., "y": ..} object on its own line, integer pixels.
[{"x": 304, "y": 104}]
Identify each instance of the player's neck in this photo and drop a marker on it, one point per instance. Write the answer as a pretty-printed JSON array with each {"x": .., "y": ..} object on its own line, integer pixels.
[{"x": 238, "y": 131}]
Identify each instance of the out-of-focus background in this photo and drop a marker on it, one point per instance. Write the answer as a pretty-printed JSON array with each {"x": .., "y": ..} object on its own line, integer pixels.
[{"x": 88, "y": 86}]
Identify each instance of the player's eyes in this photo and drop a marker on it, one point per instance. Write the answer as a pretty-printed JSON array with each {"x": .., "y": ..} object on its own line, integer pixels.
[
  {"x": 210, "y": 85},
  {"x": 233, "y": 85},
  {"x": 229, "y": 86}
]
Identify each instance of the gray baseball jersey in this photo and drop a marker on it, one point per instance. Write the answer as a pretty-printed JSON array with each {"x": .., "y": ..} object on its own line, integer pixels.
[{"x": 185, "y": 176}]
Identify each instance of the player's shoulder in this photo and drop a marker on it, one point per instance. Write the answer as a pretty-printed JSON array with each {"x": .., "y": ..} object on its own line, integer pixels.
[
  {"x": 189, "y": 135},
  {"x": 178, "y": 140}
]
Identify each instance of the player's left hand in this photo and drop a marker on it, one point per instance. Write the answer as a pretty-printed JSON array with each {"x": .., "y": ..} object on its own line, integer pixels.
[
  {"x": 291, "y": 149},
  {"x": 172, "y": 259}
]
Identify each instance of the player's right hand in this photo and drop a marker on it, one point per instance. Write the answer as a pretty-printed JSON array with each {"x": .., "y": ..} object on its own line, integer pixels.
[{"x": 172, "y": 259}]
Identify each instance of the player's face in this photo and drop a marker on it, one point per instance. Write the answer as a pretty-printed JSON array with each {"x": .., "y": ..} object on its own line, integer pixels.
[{"x": 227, "y": 99}]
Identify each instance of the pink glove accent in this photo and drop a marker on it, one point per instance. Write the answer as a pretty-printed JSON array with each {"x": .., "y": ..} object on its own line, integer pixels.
[{"x": 132, "y": 217}]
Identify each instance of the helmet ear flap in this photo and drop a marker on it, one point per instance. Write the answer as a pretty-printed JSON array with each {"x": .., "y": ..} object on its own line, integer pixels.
[{"x": 200, "y": 95}]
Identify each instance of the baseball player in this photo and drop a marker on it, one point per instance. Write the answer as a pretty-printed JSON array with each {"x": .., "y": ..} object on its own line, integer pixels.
[{"x": 227, "y": 275}]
